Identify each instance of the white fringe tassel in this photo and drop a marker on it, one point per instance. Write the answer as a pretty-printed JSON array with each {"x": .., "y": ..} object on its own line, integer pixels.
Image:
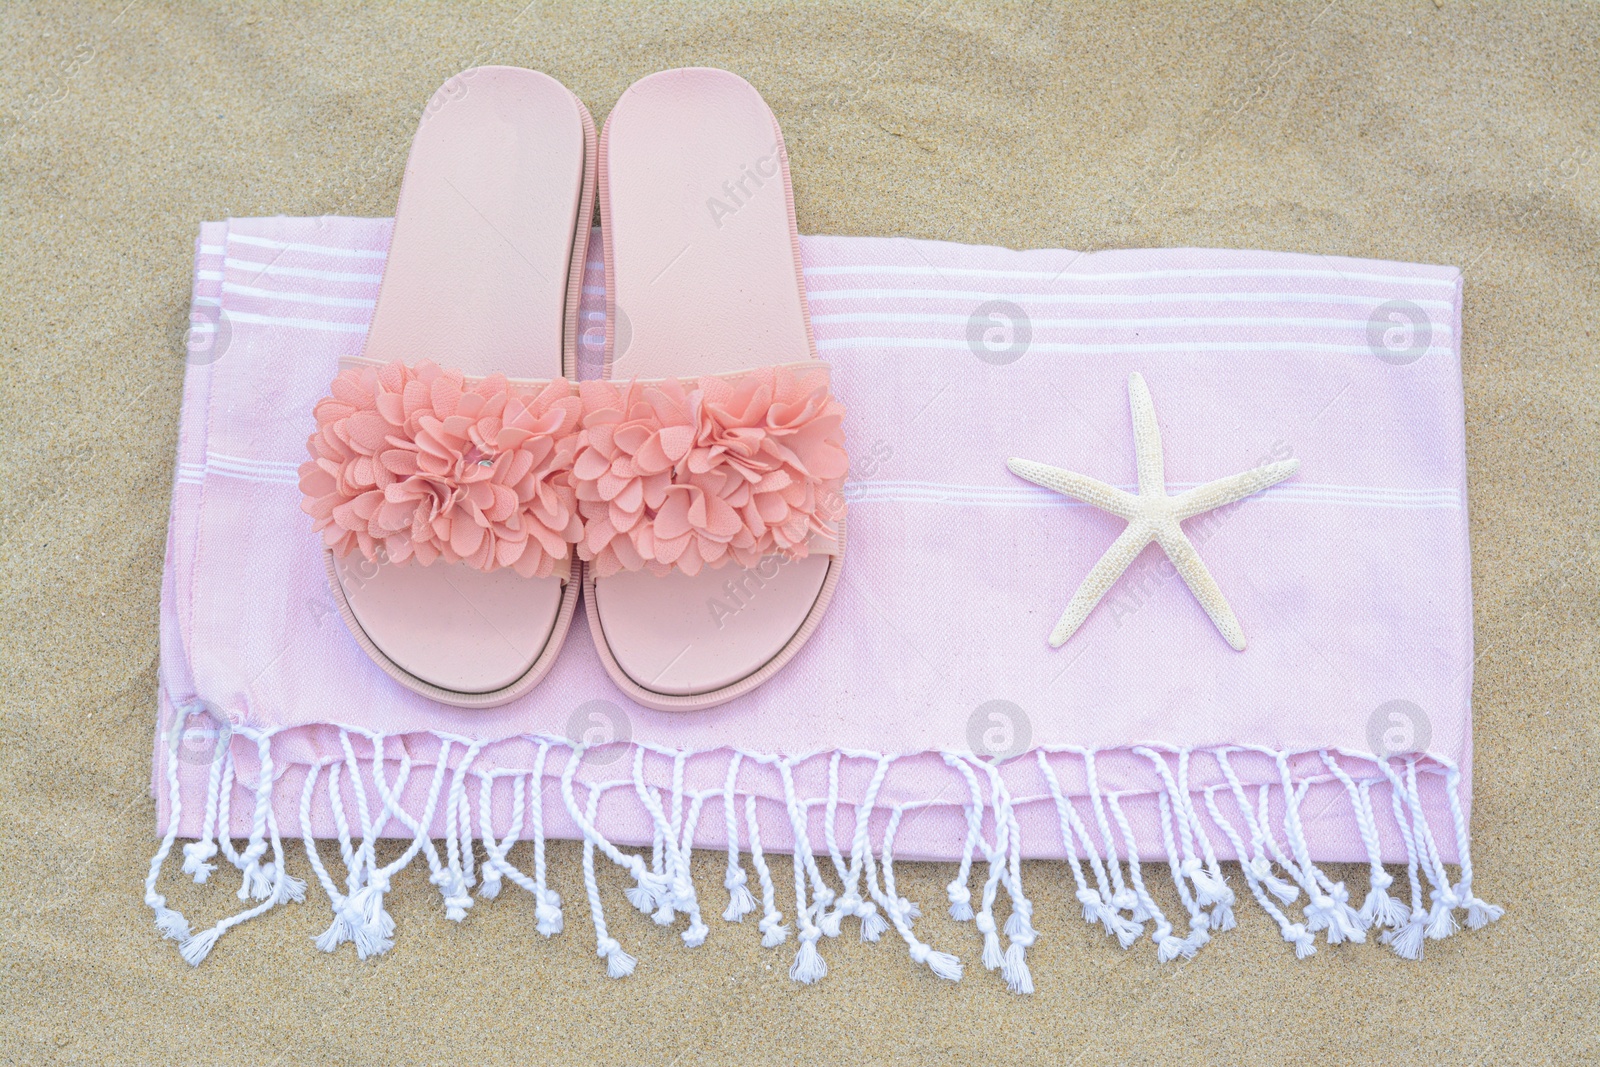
[
  {"x": 735, "y": 881},
  {"x": 902, "y": 913},
  {"x": 809, "y": 966},
  {"x": 269, "y": 883},
  {"x": 663, "y": 883},
  {"x": 618, "y": 963},
  {"x": 1379, "y": 910},
  {"x": 773, "y": 932}
]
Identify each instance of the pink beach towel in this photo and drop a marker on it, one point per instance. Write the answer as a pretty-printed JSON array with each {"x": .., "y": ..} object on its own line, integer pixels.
[{"x": 928, "y": 718}]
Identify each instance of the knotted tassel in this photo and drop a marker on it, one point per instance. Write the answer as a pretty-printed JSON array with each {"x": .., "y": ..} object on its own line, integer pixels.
[
  {"x": 618, "y": 963},
  {"x": 196, "y": 948},
  {"x": 1261, "y": 867},
  {"x": 547, "y": 912},
  {"x": 696, "y": 934},
  {"x": 195, "y": 855},
  {"x": 873, "y": 924},
  {"x": 641, "y": 897},
  {"x": 1305, "y": 942},
  {"x": 1015, "y": 970},
  {"x": 1020, "y": 922},
  {"x": 1481, "y": 913},
  {"x": 960, "y": 901},
  {"x": 343, "y": 928},
  {"x": 808, "y": 966},
  {"x": 1199, "y": 934},
  {"x": 773, "y": 932},
  {"x": 992, "y": 957},
  {"x": 1441, "y": 921},
  {"x": 740, "y": 902},
  {"x": 1125, "y": 930},
  {"x": 1168, "y": 946},
  {"x": 1091, "y": 905},
  {"x": 374, "y": 930},
  {"x": 942, "y": 964},
  {"x": 1208, "y": 889},
  {"x": 171, "y": 923},
  {"x": 1407, "y": 940},
  {"x": 1380, "y": 909}
]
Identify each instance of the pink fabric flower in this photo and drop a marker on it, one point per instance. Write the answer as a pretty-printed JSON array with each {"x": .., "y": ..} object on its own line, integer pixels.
[
  {"x": 418, "y": 463},
  {"x": 731, "y": 468}
]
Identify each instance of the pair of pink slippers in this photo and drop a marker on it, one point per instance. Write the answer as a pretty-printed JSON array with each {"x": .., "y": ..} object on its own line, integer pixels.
[{"x": 466, "y": 485}]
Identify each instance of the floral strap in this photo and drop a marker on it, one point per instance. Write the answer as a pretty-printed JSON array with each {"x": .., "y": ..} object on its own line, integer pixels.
[
  {"x": 421, "y": 463},
  {"x": 696, "y": 473}
]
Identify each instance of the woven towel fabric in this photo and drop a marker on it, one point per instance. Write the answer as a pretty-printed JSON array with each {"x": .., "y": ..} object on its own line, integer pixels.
[{"x": 930, "y": 689}]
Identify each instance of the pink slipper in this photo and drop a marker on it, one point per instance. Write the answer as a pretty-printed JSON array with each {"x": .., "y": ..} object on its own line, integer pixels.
[
  {"x": 712, "y": 462},
  {"x": 441, "y": 470}
]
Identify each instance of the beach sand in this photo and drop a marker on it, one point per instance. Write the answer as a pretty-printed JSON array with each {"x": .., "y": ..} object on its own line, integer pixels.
[{"x": 1465, "y": 134}]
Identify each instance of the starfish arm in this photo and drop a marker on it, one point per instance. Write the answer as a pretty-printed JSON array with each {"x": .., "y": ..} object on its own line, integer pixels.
[
  {"x": 1146, "y": 439},
  {"x": 1078, "y": 486},
  {"x": 1101, "y": 577},
  {"x": 1215, "y": 494},
  {"x": 1182, "y": 552}
]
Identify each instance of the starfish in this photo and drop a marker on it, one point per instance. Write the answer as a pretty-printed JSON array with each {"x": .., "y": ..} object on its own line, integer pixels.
[{"x": 1152, "y": 515}]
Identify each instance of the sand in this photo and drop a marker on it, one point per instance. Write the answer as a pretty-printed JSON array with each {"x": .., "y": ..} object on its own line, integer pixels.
[{"x": 1440, "y": 132}]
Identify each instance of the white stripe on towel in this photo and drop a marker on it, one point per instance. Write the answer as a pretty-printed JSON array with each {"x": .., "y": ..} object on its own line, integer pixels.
[
  {"x": 253, "y": 319},
  {"x": 876, "y": 492},
  {"x": 1121, "y": 276},
  {"x": 930, "y": 318},
  {"x": 953, "y": 344},
  {"x": 1114, "y": 298},
  {"x": 295, "y": 246},
  {"x": 297, "y": 272},
  {"x": 298, "y": 297}
]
